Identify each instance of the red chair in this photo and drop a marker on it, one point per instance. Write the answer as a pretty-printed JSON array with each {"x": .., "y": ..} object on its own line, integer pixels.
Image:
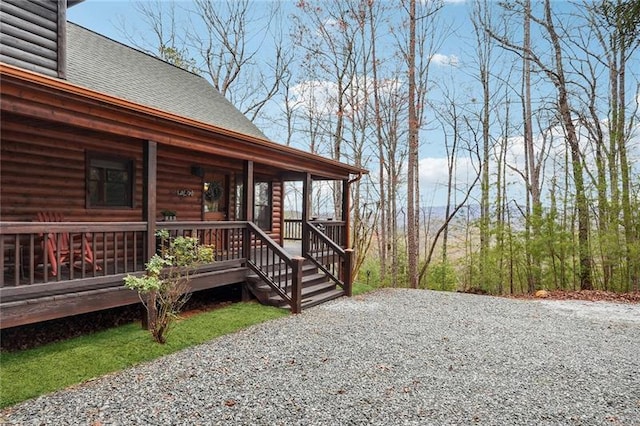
[{"x": 62, "y": 251}]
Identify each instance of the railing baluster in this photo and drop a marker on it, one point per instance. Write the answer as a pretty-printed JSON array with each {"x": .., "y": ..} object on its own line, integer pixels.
[
  {"x": 16, "y": 260},
  {"x": 32, "y": 252},
  {"x": 327, "y": 254},
  {"x": 135, "y": 251},
  {"x": 115, "y": 253},
  {"x": 45, "y": 255},
  {"x": 58, "y": 256}
]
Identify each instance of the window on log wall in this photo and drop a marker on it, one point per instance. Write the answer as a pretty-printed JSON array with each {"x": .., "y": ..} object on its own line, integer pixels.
[
  {"x": 110, "y": 181},
  {"x": 262, "y": 205}
]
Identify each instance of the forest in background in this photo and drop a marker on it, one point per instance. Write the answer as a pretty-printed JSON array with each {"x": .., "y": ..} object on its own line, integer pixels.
[{"x": 541, "y": 141}]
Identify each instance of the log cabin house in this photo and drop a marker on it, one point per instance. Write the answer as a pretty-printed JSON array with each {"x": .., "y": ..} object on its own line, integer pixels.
[{"x": 99, "y": 139}]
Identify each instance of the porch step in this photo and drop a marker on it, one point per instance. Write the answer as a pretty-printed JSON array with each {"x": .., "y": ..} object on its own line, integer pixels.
[
  {"x": 316, "y": 289},
  {"x": 307, "y": 268},
  {"x": 311, "y": 296},
  {"x": 322, "y": 297},
  {"x": 307, "y": 281}
]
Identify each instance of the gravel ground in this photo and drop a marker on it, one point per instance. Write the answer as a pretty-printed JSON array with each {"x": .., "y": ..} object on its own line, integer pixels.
[{"x": 391, "y": 357}]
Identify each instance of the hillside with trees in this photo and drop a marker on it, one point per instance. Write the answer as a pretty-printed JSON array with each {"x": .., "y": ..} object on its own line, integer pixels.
[{"x": 535, "y": 129}]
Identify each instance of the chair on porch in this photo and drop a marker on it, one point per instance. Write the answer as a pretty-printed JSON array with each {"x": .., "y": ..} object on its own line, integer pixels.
[{"x": 62, "y": 250}]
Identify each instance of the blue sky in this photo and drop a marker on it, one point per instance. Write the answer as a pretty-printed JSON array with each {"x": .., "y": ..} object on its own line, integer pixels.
[
  {"x": 453, "y": 66},
  {"x": 106, "y": 17}
]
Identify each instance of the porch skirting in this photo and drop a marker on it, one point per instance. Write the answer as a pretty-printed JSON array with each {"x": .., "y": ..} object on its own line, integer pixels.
[{"x": 36, "y": 309}]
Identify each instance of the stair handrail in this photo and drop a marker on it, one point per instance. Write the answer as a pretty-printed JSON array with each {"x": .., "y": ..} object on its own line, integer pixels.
[
  {"x": 272, "y": 276},
  {"x": 341, "y": 276}
]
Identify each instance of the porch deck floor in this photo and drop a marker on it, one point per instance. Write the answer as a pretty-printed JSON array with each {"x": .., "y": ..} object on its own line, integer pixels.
[{"x": 293, "y": 247}]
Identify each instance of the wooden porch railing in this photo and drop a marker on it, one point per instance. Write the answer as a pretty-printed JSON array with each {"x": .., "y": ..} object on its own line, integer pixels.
[
  {"x": 292, "y": 229},
  {"x": 334, "y": 229},
  {"x": 115, "y": 247},
  {"x": 225, "y": 237},
  {"x": 34, "y": 252},
  {"x": 275, "y": 266},
  {"x": 328, "y": 256},
  {"x": 119, "y": 248}
]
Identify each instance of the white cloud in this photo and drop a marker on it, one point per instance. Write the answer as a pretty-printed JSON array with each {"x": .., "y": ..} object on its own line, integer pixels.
[
  {"x": 434, "y": 178},
  {"x": 314, "y": 97},
  {"x": 445, "y": 60},
  {"x": 435, "y": 171},
  {"x": 318, "y": 98}
]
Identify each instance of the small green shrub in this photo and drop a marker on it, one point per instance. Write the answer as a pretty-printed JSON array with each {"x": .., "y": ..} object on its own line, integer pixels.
[
  {"x": 442, "y": 276},
  {"x": 164, "y": 288}
]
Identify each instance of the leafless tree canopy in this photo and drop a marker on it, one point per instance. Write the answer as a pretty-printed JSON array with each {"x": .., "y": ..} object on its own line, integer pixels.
[{"x": 534, "y": 126}]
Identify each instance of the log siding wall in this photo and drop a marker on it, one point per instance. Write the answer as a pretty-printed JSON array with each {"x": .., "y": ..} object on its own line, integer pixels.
[
  {"x": 30, "y": 33},
  {"x": 276, "y": 211},
  {"x": 43, "y": 168}
]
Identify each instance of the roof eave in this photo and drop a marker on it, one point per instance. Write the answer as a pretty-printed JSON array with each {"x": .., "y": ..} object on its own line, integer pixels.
[{"x": 72, "y": 89}]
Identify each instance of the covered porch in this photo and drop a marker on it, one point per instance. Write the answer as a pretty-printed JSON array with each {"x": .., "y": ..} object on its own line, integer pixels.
[
  {"x": 30, "y": 293},
  {"x": 87, "y": 181}
]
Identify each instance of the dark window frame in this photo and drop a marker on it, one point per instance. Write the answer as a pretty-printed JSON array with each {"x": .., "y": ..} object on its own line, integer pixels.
[
  {"x": 240, "y": 213},
  {"x": 264, "y": 223},
  {"x": 122, "y": 164}
]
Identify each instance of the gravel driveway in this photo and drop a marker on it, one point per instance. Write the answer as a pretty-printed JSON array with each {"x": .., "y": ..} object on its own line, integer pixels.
[{"x": 391, "y": 357}]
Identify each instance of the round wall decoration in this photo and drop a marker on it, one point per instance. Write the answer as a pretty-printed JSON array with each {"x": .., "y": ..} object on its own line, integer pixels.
[{"x": 214, "y": 192}]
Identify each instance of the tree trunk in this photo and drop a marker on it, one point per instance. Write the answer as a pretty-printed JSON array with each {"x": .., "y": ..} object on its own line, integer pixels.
[
  {"x": 382, "y": 227},
  {"x": 412, "y": 229},
  {"x": 584, "y": 252}
]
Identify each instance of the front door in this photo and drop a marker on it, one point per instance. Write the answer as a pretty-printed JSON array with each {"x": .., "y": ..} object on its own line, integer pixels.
[
  {"x": 215, "y": 196},
  {"x": 215, "y": 206}
]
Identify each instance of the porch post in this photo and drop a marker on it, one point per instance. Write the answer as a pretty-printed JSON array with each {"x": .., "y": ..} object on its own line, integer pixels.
[
  {"x": 149, "y": 192},
  {"x": 248, "y": 188},
  {"x": 348, "y": 272},
  {"x": 346, "y": 217},
  {"x": 296, "y": 285},
  {"x": 306, "y": 211},
  {"x": 247, "y": 202},
  {"x": 282, "y": 209}
]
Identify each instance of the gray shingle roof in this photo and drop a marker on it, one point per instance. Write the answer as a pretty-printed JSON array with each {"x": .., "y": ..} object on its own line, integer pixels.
[{"x": 104, "y": 65}]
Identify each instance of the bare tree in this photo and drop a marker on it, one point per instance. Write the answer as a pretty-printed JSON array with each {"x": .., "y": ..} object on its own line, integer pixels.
[
  {"x": 383, "y": 233},
  {"x": 484, "y": 46},
  {"x": 413, "y": 198},
  {"x": 417, "y": 47},
  {"x": 620, "y": 20},
  {"x": 449, "y": 115},
  {"x": 220, "y": 40},
  {"x": 555, "y": 73},
  {"x": 393, "y": 113}
]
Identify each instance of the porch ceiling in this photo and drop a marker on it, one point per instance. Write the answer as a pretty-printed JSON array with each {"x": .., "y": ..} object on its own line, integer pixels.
[{"x": 33, "y": 95}]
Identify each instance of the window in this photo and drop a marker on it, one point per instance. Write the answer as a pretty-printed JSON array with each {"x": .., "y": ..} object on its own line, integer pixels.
[
  {"x": 109, "y": 181},
  {"x": 262, "y": 205},
  {"x": 240, "y": 213}
]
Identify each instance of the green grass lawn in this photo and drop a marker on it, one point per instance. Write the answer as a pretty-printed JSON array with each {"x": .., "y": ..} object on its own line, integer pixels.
[
  {"x": 27, "y": 374},
  {"x": 361, "y": 288}
]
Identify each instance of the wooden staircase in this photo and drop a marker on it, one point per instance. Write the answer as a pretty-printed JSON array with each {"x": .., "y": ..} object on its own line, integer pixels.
[{"x": 317, "y": 288}]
